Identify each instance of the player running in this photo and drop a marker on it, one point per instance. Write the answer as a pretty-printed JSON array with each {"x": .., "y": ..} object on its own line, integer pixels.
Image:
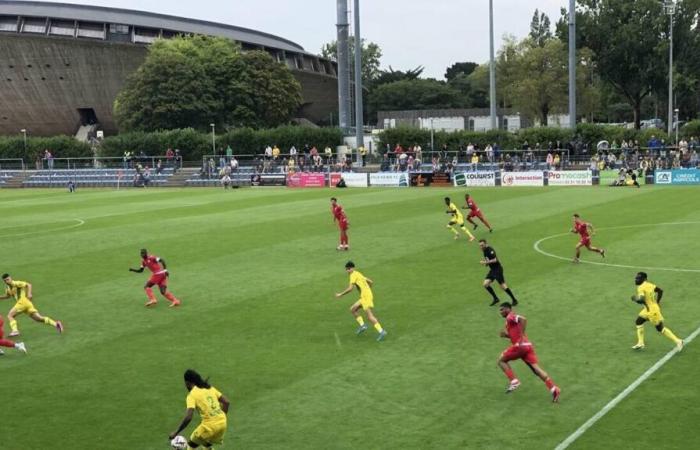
[
  {"x": 212, "y": 407},
  {"x": 474, "y": 211},
  {"x": 649, "y": 295},
  {"x": 582, "y": 228},
  {"x": 495, "y": 273},
  {"x": 22, "y": 293},
  {"x": 340, "y": 217},
  {"x": 457, "y": 219},
  {"x": 366, "y": 301},
  {"x": 8, "y": 343},
  {"x": 159, "y": 276},
  {"x": 521, "y": 348}
]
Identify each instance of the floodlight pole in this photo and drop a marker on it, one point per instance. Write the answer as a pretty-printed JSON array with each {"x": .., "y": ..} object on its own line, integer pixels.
[
  {"x": 572, "y": 64},
  {"x": 343, "y": 62},
  {"x": 24, "y": 138},
  {"x": 670, "y": 7},
  {"x": 492, "y": 71},
  {"x": 213, "y": 138},
  {"x": 359, "y": 113}
]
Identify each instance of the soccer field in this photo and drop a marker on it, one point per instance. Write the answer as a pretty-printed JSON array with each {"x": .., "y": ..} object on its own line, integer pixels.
[{"x": 257, "y": 269}]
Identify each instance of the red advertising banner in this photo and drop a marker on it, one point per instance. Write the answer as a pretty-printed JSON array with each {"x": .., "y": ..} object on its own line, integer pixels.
[{"x": 305, "y": 180}]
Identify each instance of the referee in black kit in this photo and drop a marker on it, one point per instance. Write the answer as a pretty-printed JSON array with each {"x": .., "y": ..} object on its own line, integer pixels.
[{"x": 495, "y": 273}]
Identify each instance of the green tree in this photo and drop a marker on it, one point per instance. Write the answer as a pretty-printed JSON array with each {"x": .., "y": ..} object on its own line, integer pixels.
[
  {"x": 414, "y": 94},
  {"x": 627, "y": 40},
  {"x": 540, "y": 29},
  {"x": 371, "y": 58},
  {"x": 460, "y": 68},
  {"x": 197, "y": 80},
  {"x": 391, "y": 75}
]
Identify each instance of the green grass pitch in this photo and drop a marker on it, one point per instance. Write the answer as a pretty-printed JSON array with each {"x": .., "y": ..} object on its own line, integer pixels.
[{"x": 256, "y": 270}]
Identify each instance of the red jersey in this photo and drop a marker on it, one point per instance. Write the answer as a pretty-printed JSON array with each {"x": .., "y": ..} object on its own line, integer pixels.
[
  {"x": 338, "y": 213},
  {"x": 582, "y": 229},
  {"x": 471, "y": 204},
  {"x": 152, "y": 263},
  {"x": 514, "y": 329}
]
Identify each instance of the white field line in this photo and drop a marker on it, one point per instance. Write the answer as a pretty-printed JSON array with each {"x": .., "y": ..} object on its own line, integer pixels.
[
  {"x": 78, "y": 223},
  {"x": 537, "y": 248},
  {"x": 622, "y": 395},
  {"x": 337, "y": 340}
]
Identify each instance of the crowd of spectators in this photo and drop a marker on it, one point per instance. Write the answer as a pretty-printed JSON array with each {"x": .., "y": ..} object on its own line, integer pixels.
[{"x": 655, "y": 155}]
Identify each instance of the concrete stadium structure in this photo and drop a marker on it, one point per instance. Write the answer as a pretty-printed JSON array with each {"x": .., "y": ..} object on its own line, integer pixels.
[{"x": 63, "y": 65}]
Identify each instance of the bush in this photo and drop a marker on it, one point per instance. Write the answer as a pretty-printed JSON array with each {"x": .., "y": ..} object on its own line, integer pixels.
[
  {"x": 690, "y": 129},
  {"x": 244, "y": 141},
  {"x": 59, "y": 146}
]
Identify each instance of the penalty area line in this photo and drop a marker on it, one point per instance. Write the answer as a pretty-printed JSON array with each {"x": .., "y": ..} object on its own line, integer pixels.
[{"x": 622, "y": 395}]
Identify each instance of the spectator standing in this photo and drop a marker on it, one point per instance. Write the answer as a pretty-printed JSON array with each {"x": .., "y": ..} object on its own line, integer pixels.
[
  {"x": 474, "y": 161},
  {"x": 418, "y": 152},
  {"x": 268, "y": 152},
  {"x": 385, "y": 166},
  {"x": 293, "y": 152},
  {"x": 549, "y": 160},
  {"x": 178, "y": 160},
  {"x": 234, "y": 164},
  {"x": 170, "y": 156},
  {"x": 49, "y": 158},
  {"x": 275, "y": 152},
  {"x": 328, "y": 151},
  {"x": 363, "y": 154},
  {"x": 159, "y": 167},
  {"x": 229, "y": 153},
  {"x": 489, "y": 152},
  {"x": 557, "y": 161}
]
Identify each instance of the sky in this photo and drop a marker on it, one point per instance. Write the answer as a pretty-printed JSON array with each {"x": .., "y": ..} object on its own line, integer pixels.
[{"x": 429, "y": 33}]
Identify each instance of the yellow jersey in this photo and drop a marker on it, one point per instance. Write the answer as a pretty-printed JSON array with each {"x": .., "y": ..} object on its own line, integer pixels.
[
  {"x": 646, "y": 290},
  {"x": 17, "y": 289},
  {"x": 206, "y": 402},
  {"x": 456, "y": 213},
  {"x": 360, "y": 282}
]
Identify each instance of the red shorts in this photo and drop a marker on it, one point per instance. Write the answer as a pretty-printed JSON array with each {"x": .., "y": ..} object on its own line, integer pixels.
[
  {"x": 475, "y": 214},
  {"x": 159, "y": 279},
  {"x": 2, "y": 334},
  {"x": 343, "y": 225},
  {"x": 524, "y": 352},
  {"x": 585, "y": 241}
]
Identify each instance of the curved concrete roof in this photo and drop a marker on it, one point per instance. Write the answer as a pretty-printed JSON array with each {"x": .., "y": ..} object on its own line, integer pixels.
[{"x": 66, "y": 11}]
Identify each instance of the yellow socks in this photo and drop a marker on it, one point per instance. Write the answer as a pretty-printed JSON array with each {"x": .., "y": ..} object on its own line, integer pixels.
[
  {"x": 378, "y": 327},
  {"x": 49, "y": 321},
  {"x": 452, "y": 230},
  {"x": 669, "y": 334},
  {"x": 467, "y": 232},
  {"x": 13, "y": 325},
  {"x": 360, "y": 320},
  {"x": 640, "y": 334}
]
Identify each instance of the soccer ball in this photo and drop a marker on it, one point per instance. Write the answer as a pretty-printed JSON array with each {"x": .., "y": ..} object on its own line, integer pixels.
[{"x": 179, "y": 443}]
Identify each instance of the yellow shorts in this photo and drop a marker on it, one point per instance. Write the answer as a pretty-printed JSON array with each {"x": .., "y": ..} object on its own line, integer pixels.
[
  {"x": 208, "y": 434},
  {"x": 24, "y": 305},
  {"x": 458, "y": 221},
  {"x": 653, "y": 315},
  {"x": 367, "y": 302}
]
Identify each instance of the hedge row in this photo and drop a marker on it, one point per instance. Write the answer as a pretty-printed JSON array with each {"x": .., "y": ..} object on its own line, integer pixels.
[
  {"x": 587, "y": 133},
  {"x": 244, "y": 141},
  {"x": 60, "y": 147}
]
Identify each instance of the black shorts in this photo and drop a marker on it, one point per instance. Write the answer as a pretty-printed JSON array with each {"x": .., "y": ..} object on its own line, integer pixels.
[{"x": 496, "y": 275}]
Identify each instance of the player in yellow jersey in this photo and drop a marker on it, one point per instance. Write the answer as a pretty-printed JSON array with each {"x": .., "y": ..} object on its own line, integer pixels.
[
  {"x": 212, "y": 407},
  {"x": 649, "y": 295},
  {"x": 457, "y": 219},
  {"x": 22, "y": 293},
  {"x": 366, "y": 301}
]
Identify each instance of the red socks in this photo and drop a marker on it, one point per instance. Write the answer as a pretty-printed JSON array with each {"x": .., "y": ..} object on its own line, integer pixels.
[
  {"x": 549, "y": 383},
  {"x": 171, "y": 297},
  {"x": 7, "y": 343},
  {"x": 509, "y": 373},
  {"x": 149, "y": 294}
]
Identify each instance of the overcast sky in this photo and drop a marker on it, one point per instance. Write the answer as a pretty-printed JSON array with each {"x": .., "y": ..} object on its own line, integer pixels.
[{"x": 431, "y": 33}]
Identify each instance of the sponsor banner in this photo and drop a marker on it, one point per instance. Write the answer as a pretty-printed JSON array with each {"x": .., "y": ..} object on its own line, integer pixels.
[
  {"x": 685, "y": 176},
  {"x": 479, "y": 178},
  {"x": 351, "y": 179},
  {"x": 534, "y": 178},
  {"x": 570, "y": 178},
  {"x": 421, "y": 179},
  {"x": 663, "y": 177},
  {"x": 389, "y": 179},
  {"x": 268, "y": 180},
  {"x": 306, "y": 180}
]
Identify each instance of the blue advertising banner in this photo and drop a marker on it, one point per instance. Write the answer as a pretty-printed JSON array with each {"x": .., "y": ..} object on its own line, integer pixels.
[{"x": 677, "y": 176}]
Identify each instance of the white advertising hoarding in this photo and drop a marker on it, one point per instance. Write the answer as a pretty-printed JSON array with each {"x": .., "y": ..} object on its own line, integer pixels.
[
  {"x": 534, "y": 178},
  {"x": 471, "y": 179},
  {"x": 389, "y": 179},
  {"x": 570, "y": 178}
]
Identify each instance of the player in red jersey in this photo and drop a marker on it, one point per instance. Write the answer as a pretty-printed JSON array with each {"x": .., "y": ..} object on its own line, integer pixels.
[
  {"x": 159, "y": 276},
  {"x": 474, "y": 211},
  {"x": 8, "y": 343},
  {"x": 340, "y": 217},
  {"x": 521, "y": 348},
  {"x": 582, "y": 228}
]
